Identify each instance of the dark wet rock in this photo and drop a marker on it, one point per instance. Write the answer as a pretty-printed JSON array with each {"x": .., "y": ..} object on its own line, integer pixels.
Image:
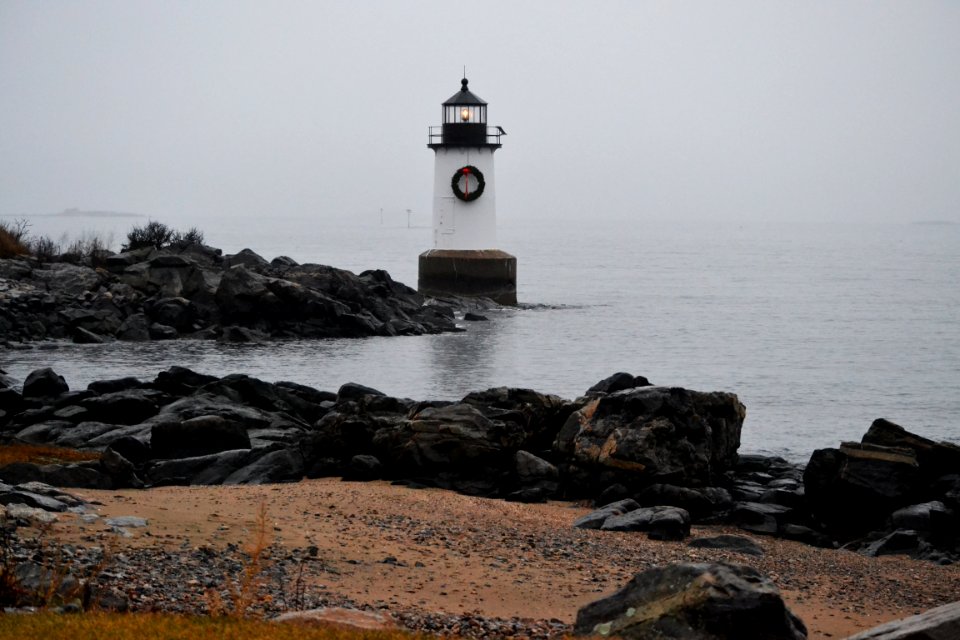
[
  {"x": 595, "y": 519},
  {"x": 760, "y": 517},
  {"x": 134, "y": 328},
  {"x": 474, "y": 317},
  {"x": 699, "y": 502},
  {"x": 901, "y": 541},
  {"x": 131, "y": 406},
  {"x": 44, "y": 383},
  {"x": 855, "y": 488},
  {"x": 941, "y": 623},
  {"x": 540, "y": 416},
  {"x": 85, "y": 476},
  {"x": 452, "y": 438},
  {"x": 134, "y": 450},
  {"x": 934, "y": 458},
  {"x": 197, "y": 470},
  {"x": 121, "y": 471},
  {"x": 532, "y": 469},
  {"x": 662, "y": 523},
  {"x": 728, "y": 542},
  {"x": 284, "y": 465},
  {"x": 618, "y": 382},
  {"x": 163, "y": 332},
  {"x": 805, "y": 535},
  {"x": 927, "y": 516},
  {"x": 234, "y": 333},
  {"x": 692, "y": 602},
  {"x": 354, "y": 391},
  {"x": 651, "y": 434},
  {"x": 176, "y": 312},
  {"x": 613, "y": 493},
  {"x": 197, "y": 436},
  {"x": 363, "y": 467},
  {"x": 529, "y": 495},
  {"x": 284, "y": 261},
  {"x": 181, "y": 381},
  {"x": 114, "y": 385},
  {"x": 83, "y": 336},
  {"x": 247, "y": 258}
]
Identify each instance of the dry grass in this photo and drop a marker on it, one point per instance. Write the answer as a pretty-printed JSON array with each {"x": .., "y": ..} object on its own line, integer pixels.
[
  {"x": 42, "y": 454},
  {"x": 11, "y": 244},
  {"x": 154, "y": 626}
]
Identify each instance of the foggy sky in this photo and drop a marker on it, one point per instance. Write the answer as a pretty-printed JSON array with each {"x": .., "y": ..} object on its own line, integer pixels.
[{"x": 638, "y": 110}]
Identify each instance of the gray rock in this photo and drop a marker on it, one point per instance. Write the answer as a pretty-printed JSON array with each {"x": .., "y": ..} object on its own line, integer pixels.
[
  {"x": 129, "y": 522},
  {"x": 30, "y": 514},
  {"x": 198, "y": 470},
  {"x": 920, "y": 517},
  {"x": 285, "y": 465},
  {"x": 595, "y": 519},
  {"x": 942, "y": 623},
  {"x": 693, "y": 602},
  {"x": 32, "y": 500},
  {"x": 662, "y": 523},
  {"x": 728, "y": 542}
]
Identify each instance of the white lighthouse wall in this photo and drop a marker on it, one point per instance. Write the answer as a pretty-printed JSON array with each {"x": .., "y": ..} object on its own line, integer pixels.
[{"x": 458, "y": 224}]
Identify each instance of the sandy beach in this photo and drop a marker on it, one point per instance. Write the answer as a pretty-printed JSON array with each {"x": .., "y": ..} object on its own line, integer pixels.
[{"x": 397, "y": 548}]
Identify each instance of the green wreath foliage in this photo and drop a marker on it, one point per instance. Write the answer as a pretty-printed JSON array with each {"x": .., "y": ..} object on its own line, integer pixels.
[{"x": 467, "y": 171}]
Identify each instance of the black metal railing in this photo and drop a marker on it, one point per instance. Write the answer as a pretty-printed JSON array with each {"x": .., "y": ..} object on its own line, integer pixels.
[{"x": 436, "y": 137}]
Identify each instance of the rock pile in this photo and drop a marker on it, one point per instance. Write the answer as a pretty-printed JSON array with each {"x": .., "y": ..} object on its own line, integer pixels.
[
  {"x": 188, "y": 428},
  {"x": 195, "y": 291}
]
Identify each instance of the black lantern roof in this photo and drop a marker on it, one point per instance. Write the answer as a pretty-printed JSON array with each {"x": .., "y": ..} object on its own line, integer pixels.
[
  {"x": 464, "y": 96},
  {"x": 464, "y": 123}
]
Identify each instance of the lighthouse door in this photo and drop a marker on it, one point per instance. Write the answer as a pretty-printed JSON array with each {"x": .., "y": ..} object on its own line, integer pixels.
[{"x": 446, "y": 224}]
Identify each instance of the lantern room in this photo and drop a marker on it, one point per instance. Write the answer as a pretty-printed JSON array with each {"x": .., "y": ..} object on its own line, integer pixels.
[{"x": 464, "y": 122}]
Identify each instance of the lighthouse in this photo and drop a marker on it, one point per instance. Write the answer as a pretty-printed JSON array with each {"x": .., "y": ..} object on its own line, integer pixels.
[{"x": 464, "y": 260}]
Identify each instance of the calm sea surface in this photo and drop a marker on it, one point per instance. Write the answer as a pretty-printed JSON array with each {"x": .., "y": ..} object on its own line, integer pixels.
[{"x": 819, "y": 329}]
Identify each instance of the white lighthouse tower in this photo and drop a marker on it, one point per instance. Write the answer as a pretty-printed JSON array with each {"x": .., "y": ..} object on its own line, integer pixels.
[{"x": 465, "y": 260}]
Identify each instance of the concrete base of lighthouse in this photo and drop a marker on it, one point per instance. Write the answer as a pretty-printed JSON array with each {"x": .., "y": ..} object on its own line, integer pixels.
[{"x": 487, "y": 273}]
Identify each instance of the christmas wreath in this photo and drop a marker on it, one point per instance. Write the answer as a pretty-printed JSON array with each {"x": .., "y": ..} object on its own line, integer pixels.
[{"x": 465, "y": 172}]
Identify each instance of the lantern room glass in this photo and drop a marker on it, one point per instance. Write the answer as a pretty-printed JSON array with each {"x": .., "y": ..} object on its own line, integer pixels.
[{"x": 464, "y": 113}]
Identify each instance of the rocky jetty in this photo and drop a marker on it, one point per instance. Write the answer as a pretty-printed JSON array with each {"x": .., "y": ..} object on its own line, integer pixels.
[{"x": 195, "y": 291}]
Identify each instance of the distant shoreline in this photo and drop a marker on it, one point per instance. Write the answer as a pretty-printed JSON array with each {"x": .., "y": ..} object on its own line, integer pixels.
[{"x": 76, "y": 213}]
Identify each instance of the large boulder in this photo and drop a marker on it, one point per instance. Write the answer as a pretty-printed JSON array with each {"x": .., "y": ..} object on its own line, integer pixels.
[
  {"x": 44, "y": 383},
  {"x": 854, "y": 489},
  {"x": 693, "y": 602},
  {"x": 456, "y": 438},
  {"x": 935, "y": 459},
  {"x": 649, "y": 434}
]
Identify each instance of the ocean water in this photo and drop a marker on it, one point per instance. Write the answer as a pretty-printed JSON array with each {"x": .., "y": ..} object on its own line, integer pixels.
[{"x": 819, "y": 328}]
